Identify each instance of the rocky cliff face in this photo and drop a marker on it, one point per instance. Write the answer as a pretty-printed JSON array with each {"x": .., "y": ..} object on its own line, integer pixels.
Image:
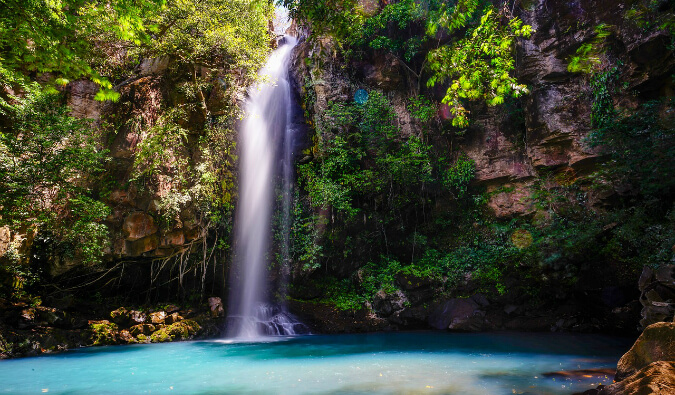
[{"x": 537, "y": 142}]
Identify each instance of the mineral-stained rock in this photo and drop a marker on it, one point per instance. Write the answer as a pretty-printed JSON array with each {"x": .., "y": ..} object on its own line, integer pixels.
[
  {"x": 139, "y": 247},
  {"x": 139, "y": 225},
  {"x": 656, "y": 343}
]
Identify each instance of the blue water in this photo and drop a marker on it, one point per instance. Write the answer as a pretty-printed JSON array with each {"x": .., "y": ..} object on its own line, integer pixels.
[{"x": 390, "y": 363}]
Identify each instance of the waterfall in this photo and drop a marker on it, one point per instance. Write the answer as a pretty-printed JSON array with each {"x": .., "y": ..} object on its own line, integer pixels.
[{"x": 267, "y": 127}]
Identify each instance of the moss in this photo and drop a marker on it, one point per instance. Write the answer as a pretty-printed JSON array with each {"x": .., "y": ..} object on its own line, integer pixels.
[
  {"x": 103, "y": 332},
  {"x": 177, "y": 331}
]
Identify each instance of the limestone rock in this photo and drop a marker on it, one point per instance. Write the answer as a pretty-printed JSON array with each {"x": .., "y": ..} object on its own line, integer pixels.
[{"x": 656, "y": 343}]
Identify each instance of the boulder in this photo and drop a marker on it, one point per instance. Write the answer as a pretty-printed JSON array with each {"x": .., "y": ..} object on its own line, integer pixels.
[
  {"x": 657, "y": 378},
  {"x": 457, "y": 314},
  {"x": 124, "y": 317},
  {"x": 126, "y": 337},
  {"x": 657, "y": 297},
  {"x": 387, "y": 303},
  {"x": 142, "y": 329},
  {"x": 178, "y": 331},
  {"x": 173, "y": 318},
  {"x": 656, "y": 343},
  {"x": 158, "y": 317},
  {"x": 216, "y": 307}
]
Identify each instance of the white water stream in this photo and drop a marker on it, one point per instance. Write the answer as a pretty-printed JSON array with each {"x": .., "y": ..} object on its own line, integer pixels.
[{"x": 267, "y": 127}]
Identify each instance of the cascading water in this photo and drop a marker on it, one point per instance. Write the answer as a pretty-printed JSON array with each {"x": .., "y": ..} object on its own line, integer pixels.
[{"x": 266, "y": 127}]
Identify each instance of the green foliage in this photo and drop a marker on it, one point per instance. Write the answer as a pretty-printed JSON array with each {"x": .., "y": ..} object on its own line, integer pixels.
[
  {"x": 641, "y": 149},
  {"x": 422, "y": 109},
  {"x": 103, "y": 333},
  {"x": 366, "y": 157},
  {"x": 58, "y": 36},
  {"x": 48, "y": 164},
  {"x": 478, "y": 66},
  {"x": 341, "y": 294},
  {"x": 393, "y": 28},
  {"x": 603, "y": 85},
  {"x": 587, "y": 58},
  {"x": 458, "y": 176},
  {"x": 338, "y": 19},
  {"x": 212, "y": 33},
  {"x": 653, "y": 15}
]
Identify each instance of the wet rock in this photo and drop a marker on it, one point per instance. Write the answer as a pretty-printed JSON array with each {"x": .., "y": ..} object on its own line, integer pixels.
[
  {"x": 325, "y": 318},
  {"x": 81, "y": 99},
  {"x": 142, "y": 329},
  {"x": 124, "y": 317},
  {"x": 126, "y": 337},
  {"x": 657, "y": 378},
  {"x": 656, "y": 343},
  {"x": 183, "y": 330},
  {"x": 173, "y": 318},
  {"x": 216, "y": 307},
  {"x": 103, "y": 332}
]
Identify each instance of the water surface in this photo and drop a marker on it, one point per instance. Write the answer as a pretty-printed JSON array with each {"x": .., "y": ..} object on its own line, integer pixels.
[{"x": 389, "y": 363}]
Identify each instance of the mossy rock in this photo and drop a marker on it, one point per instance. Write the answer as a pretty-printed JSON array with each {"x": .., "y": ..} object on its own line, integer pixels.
[
  {"x": 182, "y": 330},
  {"x": 656, "y": 343},
  {"x": 103, "y": 333}
]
